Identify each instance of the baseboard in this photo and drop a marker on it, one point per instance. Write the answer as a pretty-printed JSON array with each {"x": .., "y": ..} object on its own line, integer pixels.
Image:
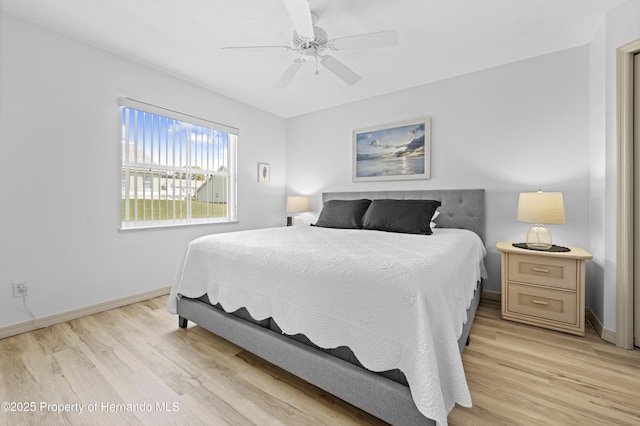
[
  {"x": 46, "y": 321},
  {"x": 595, "y": 322},
  {"x": 494, "y": 296},
  {"x": 604, "y": 333},
  {"x": 608, "y": 335}
]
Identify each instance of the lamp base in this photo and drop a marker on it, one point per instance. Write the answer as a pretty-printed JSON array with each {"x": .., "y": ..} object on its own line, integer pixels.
[
  {"x": 295, "y": 220},
  {"x": 539, "y": 238}
]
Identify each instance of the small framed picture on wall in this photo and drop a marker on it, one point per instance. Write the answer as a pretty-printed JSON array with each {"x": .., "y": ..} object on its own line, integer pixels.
[{"x": 264, "y": 172}]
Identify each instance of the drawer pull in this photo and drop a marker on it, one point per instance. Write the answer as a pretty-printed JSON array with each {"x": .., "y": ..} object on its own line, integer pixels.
[
  {"x": 546, "y": 271},
  {"x": 539, "y": 302}
]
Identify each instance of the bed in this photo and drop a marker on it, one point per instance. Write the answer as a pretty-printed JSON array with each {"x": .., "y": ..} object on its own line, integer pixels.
[{"x": 347, "y": 309}]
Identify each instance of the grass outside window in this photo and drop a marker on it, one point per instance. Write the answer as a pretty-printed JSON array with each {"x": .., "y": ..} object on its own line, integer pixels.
[{"x": 164, "y": 210}]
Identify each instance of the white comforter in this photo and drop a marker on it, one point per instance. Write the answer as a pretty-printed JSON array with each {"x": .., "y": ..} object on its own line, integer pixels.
[{"x": 397, "y": 300}]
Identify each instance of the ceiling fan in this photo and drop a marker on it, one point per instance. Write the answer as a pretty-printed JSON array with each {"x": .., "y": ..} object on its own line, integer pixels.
[{"x": 312, "y": 42}]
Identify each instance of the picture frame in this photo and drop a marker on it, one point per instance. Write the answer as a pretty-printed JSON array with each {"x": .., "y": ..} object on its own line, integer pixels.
[
  {"x": 264, "y": 172},
  {"x": 394, "y": 151}
]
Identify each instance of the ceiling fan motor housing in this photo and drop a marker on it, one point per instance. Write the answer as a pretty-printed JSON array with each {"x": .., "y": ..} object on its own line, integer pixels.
[{"x": 310, "y": 46}]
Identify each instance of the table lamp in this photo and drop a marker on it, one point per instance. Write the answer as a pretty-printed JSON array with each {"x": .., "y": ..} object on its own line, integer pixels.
[
  {"x": 540, "y": 208},
  {"x": 296, "y": 204}
]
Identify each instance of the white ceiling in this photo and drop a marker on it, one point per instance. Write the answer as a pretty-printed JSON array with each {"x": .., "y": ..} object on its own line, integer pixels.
[{"x": 437, "y": 39}]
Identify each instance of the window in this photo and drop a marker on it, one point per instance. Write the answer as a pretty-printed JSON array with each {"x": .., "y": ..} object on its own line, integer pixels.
[{"x": 176, "y": 169}]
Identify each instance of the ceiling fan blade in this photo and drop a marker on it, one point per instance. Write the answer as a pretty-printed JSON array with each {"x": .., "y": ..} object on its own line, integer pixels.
[
  {"x": 363, "y": 41},
  {"x": 345, "y": 73},
  {"x": 254, "y": 47},
  {"x": 289, "y": 73},
  {"x": 300, "y": 13}
]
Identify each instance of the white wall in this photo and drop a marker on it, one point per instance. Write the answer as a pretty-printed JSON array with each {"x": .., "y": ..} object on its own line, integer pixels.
[
  {"x": 545, "y": 122},
  {"x": 513, "y": 128},
  {"x": 598, "y": 212},
  {"x": 60, "y": 174}
]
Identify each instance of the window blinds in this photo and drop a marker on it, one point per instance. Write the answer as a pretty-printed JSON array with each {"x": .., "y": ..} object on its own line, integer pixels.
[{"x": 176, "y": 169}]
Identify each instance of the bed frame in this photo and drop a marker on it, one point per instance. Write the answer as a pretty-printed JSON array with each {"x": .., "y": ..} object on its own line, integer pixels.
[{"x": 382, "y": 397}]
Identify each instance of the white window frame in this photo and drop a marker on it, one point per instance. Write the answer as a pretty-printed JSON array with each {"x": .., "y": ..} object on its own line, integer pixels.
[{"x": 177, "y": 170}]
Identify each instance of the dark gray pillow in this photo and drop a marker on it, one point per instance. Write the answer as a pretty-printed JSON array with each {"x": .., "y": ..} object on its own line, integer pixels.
[
  {"x": 344, "y": 214},
  {"x": 406, "y": 216}
]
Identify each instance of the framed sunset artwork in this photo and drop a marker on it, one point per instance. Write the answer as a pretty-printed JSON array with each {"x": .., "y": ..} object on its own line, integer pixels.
[{"x": 393, "y": 151}]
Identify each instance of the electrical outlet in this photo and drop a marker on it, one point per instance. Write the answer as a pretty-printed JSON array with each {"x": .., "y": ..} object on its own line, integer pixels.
[{"x": 19, "y": 288}]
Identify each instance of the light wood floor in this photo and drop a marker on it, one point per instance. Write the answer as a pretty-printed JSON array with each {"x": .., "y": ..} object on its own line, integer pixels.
[{"x": 136, "y": 355}]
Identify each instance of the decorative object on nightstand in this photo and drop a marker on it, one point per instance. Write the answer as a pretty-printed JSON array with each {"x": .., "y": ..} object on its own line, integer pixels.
[
  {"x": 540, "y": 208},
  {"x": 544, "y": 288},
  {"x": 296, "y": 204}
]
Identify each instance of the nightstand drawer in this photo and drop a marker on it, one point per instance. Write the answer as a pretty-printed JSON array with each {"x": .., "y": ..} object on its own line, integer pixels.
[
  {"x": 560, "y": 273},
  {"x": 542, "y": 303}
]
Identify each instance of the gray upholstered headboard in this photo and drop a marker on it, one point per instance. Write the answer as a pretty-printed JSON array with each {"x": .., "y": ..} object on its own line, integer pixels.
[{"x": 461, "y": 208}]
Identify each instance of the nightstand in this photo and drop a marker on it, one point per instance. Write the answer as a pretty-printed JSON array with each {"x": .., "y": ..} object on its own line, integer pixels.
[{"x": 543, "y": 288}]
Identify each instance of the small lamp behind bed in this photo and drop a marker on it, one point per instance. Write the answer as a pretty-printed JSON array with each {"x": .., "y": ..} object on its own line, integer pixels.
[
  {"x": 296, "y": 204},
  {"x": 540, "y": 208}
]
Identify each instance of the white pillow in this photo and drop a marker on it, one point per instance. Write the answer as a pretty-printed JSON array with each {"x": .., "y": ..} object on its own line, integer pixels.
[{"x": 433, "y": 224}]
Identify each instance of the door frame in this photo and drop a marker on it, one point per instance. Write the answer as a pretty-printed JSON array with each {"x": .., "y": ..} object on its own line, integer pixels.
[{"x": 625, "y": 192}]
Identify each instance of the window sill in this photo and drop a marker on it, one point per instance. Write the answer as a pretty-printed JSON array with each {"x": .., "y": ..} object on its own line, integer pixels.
[{"x": 173, "y": 225}]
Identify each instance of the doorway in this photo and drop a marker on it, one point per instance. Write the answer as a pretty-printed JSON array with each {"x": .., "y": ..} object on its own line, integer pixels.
[{"x": 628, "y": 208}]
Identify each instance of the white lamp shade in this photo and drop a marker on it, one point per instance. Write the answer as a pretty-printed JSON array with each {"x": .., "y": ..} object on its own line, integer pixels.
[
  {"x": 297, "y": 204},
  {"x": 541, "y": 208}
]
